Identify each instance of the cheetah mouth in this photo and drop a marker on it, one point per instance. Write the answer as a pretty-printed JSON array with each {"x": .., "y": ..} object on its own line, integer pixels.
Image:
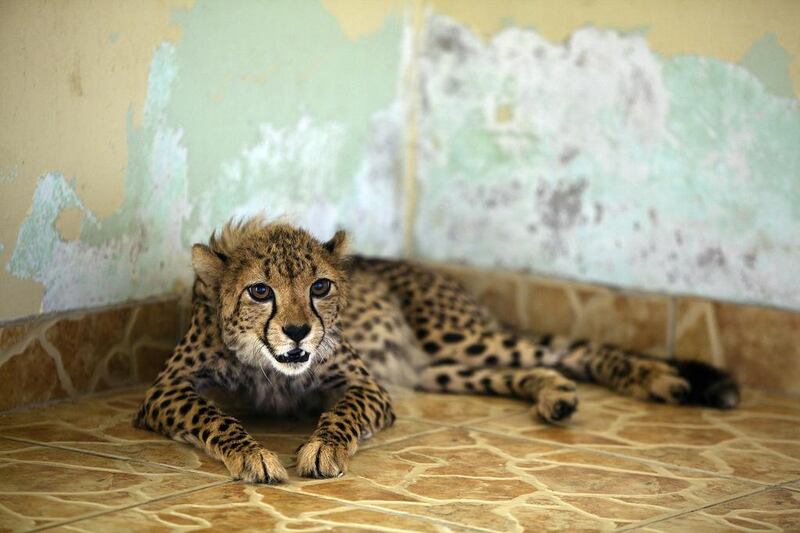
[{"x": 295, "y": 355}]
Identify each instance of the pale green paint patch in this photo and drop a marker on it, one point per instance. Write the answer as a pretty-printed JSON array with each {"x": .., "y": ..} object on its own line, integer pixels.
[
  {"x": 274, "y": 63},
  {"x": 769, "y": 62},
  {"x": 38, "y": 237}
]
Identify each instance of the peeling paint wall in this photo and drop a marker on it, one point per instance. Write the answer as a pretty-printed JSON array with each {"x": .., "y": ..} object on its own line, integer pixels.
[
  {"x": 651, "y": 145},
  {"x": 245, "y": 107},
  {"x": 599, "y": 159}
]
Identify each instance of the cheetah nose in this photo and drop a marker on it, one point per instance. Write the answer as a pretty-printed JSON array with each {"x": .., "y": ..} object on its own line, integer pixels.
[{"x": 297, "y": 333}]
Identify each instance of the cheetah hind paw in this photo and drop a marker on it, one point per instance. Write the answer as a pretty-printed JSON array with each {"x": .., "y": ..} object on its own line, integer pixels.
[{"x": 557, "y": 403}]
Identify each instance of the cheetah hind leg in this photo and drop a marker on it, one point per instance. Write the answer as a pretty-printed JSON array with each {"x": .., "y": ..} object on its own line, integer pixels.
[
  {"x": 555, "y": 396},
  {"x": 649, "y": 378}
]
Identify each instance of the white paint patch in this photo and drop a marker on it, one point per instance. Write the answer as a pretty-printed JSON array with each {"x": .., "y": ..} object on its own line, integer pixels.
[
  {"x": 594, "y": 159},
  {"x": 374, "y": 214}
]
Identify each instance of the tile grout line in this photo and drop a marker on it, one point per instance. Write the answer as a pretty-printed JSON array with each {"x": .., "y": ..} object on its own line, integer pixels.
[
  {"x": 440, "y": 427},
  {"x": 288, "y": 488},
  {"x": 127, "y": 507},
  {"x": 371, "y": 507},
  {"x": 787, "y": 487},
  {"x": 376, "y": 507},
  {"x": 191, "y": 470},
  {"x": 115, "y": 457},
  {"x": 282, "y": 488},
  {"x": 22, "y": 344},
  {"x": 437, "y": 429},
  {"x": 644, "y": 523},
  {"x": 629, "y": 457},
  {"x": 81, "y": 397}
]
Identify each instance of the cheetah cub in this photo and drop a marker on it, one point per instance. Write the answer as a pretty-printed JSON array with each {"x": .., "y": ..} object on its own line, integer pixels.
[{"x": 292, "y": 324}]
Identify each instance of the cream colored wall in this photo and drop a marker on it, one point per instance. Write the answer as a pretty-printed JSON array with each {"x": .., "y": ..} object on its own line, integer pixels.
[{"x": 73, "y": 74}]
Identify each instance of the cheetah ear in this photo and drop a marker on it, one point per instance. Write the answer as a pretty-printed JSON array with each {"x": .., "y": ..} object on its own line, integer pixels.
[
  {"x": 207, "y": 264},
  {"x": 338, "y": 244}
]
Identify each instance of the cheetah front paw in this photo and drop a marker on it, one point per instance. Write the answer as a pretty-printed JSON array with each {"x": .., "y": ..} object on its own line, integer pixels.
[
  {"x": 557, "y": 402},
  {"x": 256, "y": 465},
  {"x": 320, "y": 459}
]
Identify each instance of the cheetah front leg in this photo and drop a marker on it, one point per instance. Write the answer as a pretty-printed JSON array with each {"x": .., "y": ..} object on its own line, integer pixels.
[
  {"x": 555, "y": 396},
  {"x": 173, "y": 408},
  {"x": 363, "y": 410}
]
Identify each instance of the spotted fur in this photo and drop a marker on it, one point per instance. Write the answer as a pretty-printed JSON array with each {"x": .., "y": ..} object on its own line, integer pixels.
[{"x": 332, "y": 328}]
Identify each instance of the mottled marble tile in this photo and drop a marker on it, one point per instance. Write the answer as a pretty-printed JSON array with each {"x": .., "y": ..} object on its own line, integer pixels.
[
  {"x": 84, "y": 340},
  {"x": 44, "y": 485},
  {"x": 13, "y": 335},
  {"x": 8, "y": 446},
  {"x": 436, "y": 476},
  {"x": 29, "y": 376},
  {"x": 632, "y": 321},
  {"x": 102, "y": 425},
  {"x": 27, "y": 371},
  {"x": 550, "y": 307},
  {"x": 241, "y": 507},
  {"x": 266, "y": 428},
  {"x": 759, "y": 441},
  {"x": 476, "y": 479},
  {"x": 82, "y": 352},
  {"x": 761, "y": 346},
  {"x": 451, "y": 409},
  {"x": 497, "y": 290},
  {"x": 770, "y": 510}
]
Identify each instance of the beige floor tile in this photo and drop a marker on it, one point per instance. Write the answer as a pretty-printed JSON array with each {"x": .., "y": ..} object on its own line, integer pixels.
[
  {"x": 103, "y": 425},
  {"x": 476, "y": 479},
  {"x": 241, "y": 507},
  {"x": 42, "y": 485},
  {"x": 452, "y": 409},
  {"x": 449, "y": 462},
  {"x": 771, "y": 510},
  {"x": 265, "y": 428},
  {"x": 759, "y": 441}
]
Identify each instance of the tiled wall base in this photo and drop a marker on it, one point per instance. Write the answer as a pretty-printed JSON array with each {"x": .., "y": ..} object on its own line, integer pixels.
[
  {"x": 761, "y": 346},
  {"x": 85, "y": 352},
  {"x": 78, "y": 353}
]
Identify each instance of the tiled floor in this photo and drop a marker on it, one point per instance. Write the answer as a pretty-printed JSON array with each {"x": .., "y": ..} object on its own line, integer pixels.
[{"x": 451, "y": 463}]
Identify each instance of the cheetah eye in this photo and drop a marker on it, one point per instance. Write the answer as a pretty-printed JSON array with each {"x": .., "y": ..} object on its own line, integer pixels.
[
  {"x": 260, "y": 292},
  {"x": 320, "y": 288}
]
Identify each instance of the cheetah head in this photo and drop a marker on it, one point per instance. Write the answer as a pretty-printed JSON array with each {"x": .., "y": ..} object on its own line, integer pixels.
[{"x": 277, "y": 292}]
